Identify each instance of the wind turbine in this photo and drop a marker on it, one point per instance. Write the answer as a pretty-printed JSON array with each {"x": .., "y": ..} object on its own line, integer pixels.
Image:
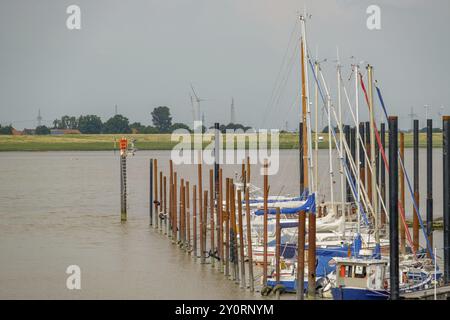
[
  {"x": 197, "y": 107},
  {"x": 193, "y": 107}
]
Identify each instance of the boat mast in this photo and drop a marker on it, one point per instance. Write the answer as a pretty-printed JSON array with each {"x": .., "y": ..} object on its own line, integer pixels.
[
  {"x": 308, "y": 117},
  {"x": 341, "y": 135},
  {"x": 358, "y": 164},
  {"x": 316, "y": 133},
  {"x": 372, "y": 153},
  {"x": 330, "y": 154},
  {"x": 308, "y": 165},
  {"x": 304, "y": 106}
]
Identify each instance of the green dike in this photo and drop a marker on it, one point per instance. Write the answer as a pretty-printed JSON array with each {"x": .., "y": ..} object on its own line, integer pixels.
[{"x": 101, "y": 142}]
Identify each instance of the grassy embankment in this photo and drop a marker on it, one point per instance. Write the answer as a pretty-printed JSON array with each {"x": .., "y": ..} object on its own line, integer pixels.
[{"x": 98, "y": 142}]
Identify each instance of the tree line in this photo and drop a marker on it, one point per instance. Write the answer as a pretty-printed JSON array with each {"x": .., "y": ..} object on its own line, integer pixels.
[{"x": 92, "y": 124}]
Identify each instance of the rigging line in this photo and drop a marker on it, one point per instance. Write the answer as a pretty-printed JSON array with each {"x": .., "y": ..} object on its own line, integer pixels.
[
  {"x": 345, "y": 165},
  {"x": 281, "y": 85},
  {"x": 323, "y": 108},
  {"x": 364, "y": 150},
  {"x": 281, "y": 68},
  {"x": 409, "y": 184},
  {"x": 383, "y": 154},
  {"x": 286, "y": 78},
  {"x": 348, "y": 152},
  {"x": 364, "y": 199}
]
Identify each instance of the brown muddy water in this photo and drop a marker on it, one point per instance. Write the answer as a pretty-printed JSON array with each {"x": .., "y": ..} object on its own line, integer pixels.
[{"x": 63, "y": 208}]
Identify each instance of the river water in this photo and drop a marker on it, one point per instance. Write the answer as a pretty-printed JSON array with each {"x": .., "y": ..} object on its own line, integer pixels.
[{"x": 63, "y": 208}]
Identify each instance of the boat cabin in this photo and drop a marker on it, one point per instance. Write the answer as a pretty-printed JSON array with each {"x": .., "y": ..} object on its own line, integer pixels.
[{"x": 361, "y": 273}]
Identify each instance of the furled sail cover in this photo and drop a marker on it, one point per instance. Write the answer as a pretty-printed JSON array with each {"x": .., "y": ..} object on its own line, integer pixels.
[{"x": 309, "y": 205}]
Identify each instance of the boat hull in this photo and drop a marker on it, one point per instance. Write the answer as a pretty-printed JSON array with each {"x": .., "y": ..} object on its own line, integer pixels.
[{"x": 358, "y": 294}]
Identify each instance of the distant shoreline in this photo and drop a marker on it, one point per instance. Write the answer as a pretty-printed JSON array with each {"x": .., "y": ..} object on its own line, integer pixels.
[{"x": 105, "y": 142}]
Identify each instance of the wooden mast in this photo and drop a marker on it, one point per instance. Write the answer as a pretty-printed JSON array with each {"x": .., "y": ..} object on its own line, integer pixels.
[{"x": 373, "y": 180}]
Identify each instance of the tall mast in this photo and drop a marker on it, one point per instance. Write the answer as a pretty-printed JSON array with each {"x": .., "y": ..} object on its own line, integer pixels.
[
  {"x": 341, "y": 133},
  {"x": 372, "y": 153},
  {"x": 358, "y": 164},
  {"x": 304, "y": 104},
  {"x": 330, "y": 154},
  {"x": 316, "y": 133}
]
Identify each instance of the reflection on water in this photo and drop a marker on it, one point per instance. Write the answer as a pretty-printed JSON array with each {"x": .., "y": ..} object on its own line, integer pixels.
[{"x": 62, "y": 208}]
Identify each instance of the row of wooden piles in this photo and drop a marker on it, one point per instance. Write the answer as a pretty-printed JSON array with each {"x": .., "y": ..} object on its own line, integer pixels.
[{"x": 207, "y": 224}]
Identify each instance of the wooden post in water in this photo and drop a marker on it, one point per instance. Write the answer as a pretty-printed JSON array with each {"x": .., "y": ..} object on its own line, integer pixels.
[
  {"x": 166, "y": 231},
  {"x": 383, "y": 173},
  {"x": 194, "y": 219},
  {"x": 170, "y": 198},
  {"x": 277, "y": 245},
  {"x": 301, "y": 255},
  {"x": 200, "y": 206},
  {"x": 200, "y": 213},
  {"x": 175, "y": 209},
  {"x": 160, "y": 208},
  {"x": 446, "y": 207},
  {"x": 277, "y": 251},
  {"x": 249, "y": 241},
  {"x": 312, "y": 255},
  {"x": 430, "y": 183},
  {"x": 227, "y": 228},
  {"x": 160, "y": 201},
  {"x": 233, "y": 235},
  {"x": 188, "y": 219},
  {"x": 151, "y": 192},
  {"x": 402, "y": 193},
  {"x": 155, "y": 189},
  {"x": 416, "y": 186},
  {"x": 393, "y": 209},
  {"x": 220, "y": 209},
  {"x": 211, "y": 216},
  {"x": 241, "y": 239},
  {"x": 266, "y": 213},
  {"x": 205, "y": 222},
  {"x": 182, "y": 217}
]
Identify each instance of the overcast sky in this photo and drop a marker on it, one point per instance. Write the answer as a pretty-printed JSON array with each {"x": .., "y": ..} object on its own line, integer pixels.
[{"x": 139, "y": 54}]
